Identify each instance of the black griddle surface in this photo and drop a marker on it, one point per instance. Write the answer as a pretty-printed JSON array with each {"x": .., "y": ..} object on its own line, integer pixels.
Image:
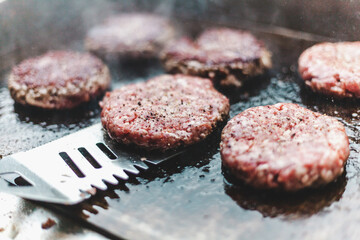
[{"x": 189, "y": 197}]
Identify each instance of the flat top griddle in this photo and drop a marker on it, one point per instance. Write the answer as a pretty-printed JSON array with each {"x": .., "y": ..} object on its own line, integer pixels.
[{"x": 191, "y": 197}]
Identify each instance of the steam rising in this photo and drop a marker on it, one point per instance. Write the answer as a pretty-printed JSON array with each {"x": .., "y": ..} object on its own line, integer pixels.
[{"x": 25, "y": 24}]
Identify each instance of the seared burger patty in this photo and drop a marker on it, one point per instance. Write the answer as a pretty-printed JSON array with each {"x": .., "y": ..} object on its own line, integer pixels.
[
  {"x": 332, "y": 68},
  {"x": 165, "y": 112},
  {"x": 227, "y": 56},
  {"x": 58, "y": 80},
  {"x": 284, "y": 146},
  {"x": 130, "y": 35}
]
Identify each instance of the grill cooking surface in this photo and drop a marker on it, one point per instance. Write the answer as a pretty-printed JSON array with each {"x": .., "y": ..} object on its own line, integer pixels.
[{"x": 189, "y": 197}]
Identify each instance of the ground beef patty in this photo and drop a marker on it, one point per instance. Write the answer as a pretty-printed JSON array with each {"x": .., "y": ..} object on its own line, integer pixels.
[
  {"x": 332, "y": 68},
  {"x": 130, "y": 35},
  {"x": 165, "y": 112},
  {"x": 58, "y": 80},
  {"x": 284, "y": 146},
  {"x": 227, "y": 56}
]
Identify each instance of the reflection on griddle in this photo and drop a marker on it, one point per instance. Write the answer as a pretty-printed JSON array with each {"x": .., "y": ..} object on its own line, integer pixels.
[
  {"x": 82, "y": 210},
  {"x": 78, "y": 116},
  {"x": 251, "y": 87},
  {"x": 347, "y": 109},
  {"x": 271, "y": 203},
  {"x": 132, "y": 69}
]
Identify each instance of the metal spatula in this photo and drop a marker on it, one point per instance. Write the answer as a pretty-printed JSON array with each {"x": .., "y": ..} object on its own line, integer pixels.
[{"x": 68, "y": 170}]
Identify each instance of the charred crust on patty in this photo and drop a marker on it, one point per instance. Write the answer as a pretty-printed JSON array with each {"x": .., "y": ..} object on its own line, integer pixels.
[
  {"x": 58, "y": 80},
  {"x": 332, "y": 69},
  {"x": 130, "y": 35},
  {"x": 227, "y": 56},
  {"x": 284, "y": 146},
  {"x": 166, "y": 112}
]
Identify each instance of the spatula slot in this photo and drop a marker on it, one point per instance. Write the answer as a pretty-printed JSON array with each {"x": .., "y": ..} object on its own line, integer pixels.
[
  {"x": 20, "y": 181},
  {"x": 71, "y": 164},
  {"x": 107, "y": 151},
  {"x": 15, "y": 179},
  {"x": 89, "y": 157}
]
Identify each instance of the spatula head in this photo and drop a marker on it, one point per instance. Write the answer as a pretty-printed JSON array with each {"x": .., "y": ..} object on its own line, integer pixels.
[{"x": 70, "y": 169}]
